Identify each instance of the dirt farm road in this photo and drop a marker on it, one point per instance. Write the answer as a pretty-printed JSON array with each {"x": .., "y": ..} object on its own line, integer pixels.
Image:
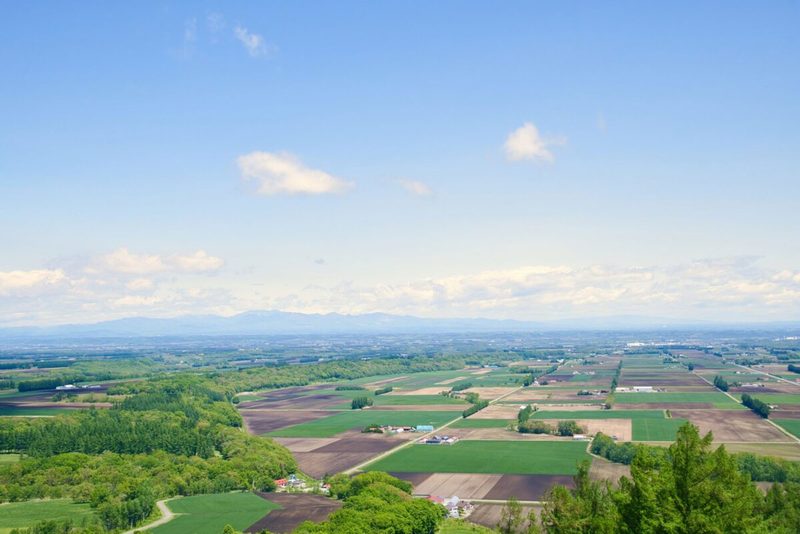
[{"x": 166, "y": 517}]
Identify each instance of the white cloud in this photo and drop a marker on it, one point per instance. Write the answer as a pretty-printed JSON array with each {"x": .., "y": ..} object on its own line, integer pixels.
[
  {"x": 13, "y": 282},
  {"x": 123, "y": 261},
  {"x": 253, "y": 42},
  {"x": 282, "y": 173},
  {"x": 415, "y": 188},
  {"x": 526, "y": 143},
  {"x": 198, "y": 262},
  {"x": 140, "y": 284}
]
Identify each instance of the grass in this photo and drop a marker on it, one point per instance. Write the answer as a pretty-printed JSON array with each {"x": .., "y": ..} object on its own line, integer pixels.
[
  {"x": 28, "y": 513},
  {"x": 718, "y": 399},
  {"x": 488, "y": 457},
  {"x": 330, "y": 426},
  {"x": 481, "y": 423},
  {"x": 9, "y": 458},
  {"x": 461, "y": 526},
  {"x": 792, "y": 425},
  {"x": 208, "y": 514}
]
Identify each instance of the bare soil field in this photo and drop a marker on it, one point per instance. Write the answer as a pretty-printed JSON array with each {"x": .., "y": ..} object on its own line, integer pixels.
[
  {"x": 786, "y": 412},
  {"x": 466, "y": 486},
  {"x": 335, "y": 455},
  {"x": 296, "y": 402},
  {"x": 296, "y": 508},
  {"x": 604, "y": 470},
  {"x": 305, "y": 444},
  {"x": 727, "y": 425},
  {"x": 263, "y": 421},
  {"x": 497, "y": 411},
  {"x": 318, "y": 464},
  {"x": 527, "y": 487},
  {"x": 481, "y": 372},
  {"x": 489, "y": 393},
  {"x": 621, "y": 428},
  {"x": 789, "y": 451},
  {"x": 415, "y": 478},
  {"x": 488, "y": 515}
]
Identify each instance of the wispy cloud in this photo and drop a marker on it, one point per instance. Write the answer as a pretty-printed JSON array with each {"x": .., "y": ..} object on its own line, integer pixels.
[
  {"x": 415, "y": 187},
  {"x": 24, "y": 282},
  {"x": 277, "y": 174},
  {"x": 252, "y": 42},
  {"x": 526, "y": 143},
  {"x": 123, "y": 261}
]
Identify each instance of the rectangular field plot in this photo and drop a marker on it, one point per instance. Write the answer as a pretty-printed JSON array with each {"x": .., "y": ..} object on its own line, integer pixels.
[
  {"x": 633, "y": 415},
  {"x": 26, "y": 514},
  {"x": 208, "y": 514},
  {"x": 481, "y": 423},
  {"x": 358, "y": 419},
  {"x": 715, "y": 398},
  {"x": 420, "y": 400},
  {"x": 656, "y": 429},
  {"x": 488, "y": 457},
  {"x": 776, "y": 398},
  {"x": 791, "y": 425}
]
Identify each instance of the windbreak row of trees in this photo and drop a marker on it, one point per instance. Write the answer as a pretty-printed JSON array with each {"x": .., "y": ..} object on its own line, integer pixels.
[{"x": 758, "y": 406}]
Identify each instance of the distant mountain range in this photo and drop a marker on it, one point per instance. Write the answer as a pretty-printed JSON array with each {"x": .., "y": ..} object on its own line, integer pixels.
[{"x": 278, "y": 322}]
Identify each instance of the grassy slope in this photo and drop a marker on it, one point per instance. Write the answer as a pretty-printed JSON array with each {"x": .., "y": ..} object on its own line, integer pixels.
[
  {"x": 28, "y": 513},
  {"x": 500, "y": 457},
  {"x": 208, "y": 514},
  {"x": 357, "y": 419}
]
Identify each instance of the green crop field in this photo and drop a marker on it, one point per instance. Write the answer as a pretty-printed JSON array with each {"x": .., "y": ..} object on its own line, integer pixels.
[
  {"x": 481, "y": 423},
  {"x": 717, "y": 398},
  {"x": 656, "y": 429},
  {"x": 208, "y": 514},
  {"x": 462, "y": 526},
  {"x": 600, "y": 414},
  {"x": 776, "y": 398},
  {"x": 330, "y": 426},
  {"x": 402, "y": 400},
  {"x": 9, "y": 458},
  {"x": 24, "y": 411},
  {"x": 28, "y": 513},
  {"x": 792, "y": 425},
  {"x": 648, "y": 425},
  {"x": 489, "y": 457}
]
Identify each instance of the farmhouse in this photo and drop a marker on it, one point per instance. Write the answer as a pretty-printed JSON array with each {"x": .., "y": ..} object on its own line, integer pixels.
[{"x": 439, "y": 440}]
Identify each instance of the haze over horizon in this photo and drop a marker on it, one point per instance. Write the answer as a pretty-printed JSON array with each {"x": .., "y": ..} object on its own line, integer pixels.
[{"x": 534, "y": 162}]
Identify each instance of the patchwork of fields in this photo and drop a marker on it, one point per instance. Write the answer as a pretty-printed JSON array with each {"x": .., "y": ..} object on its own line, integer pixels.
[{"x": 491, "y": 459}]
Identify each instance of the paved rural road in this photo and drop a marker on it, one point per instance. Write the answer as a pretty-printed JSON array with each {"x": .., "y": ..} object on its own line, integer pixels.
[
  {"x": 435, "y": 431},
  {"x": 166, "y": 517}
]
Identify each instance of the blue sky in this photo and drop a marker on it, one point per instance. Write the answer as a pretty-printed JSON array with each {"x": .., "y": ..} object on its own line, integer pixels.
[{"x": 523, "y": 160}]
